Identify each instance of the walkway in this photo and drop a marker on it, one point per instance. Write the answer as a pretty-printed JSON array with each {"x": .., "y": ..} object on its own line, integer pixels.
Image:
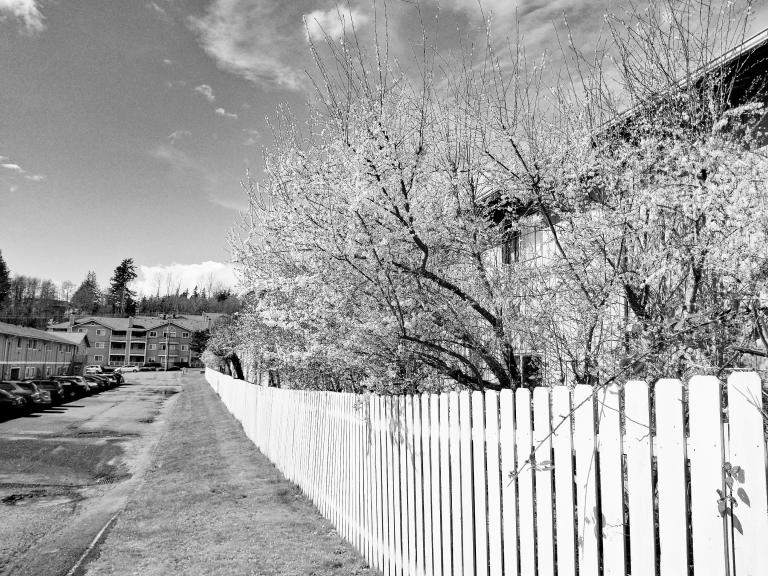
[{"x": 211, "y": 504}]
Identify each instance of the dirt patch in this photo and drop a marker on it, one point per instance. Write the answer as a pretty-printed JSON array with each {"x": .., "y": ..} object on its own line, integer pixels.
[
  {"x": 52, "y": 461},
  {"x": 47, "y": 496}
]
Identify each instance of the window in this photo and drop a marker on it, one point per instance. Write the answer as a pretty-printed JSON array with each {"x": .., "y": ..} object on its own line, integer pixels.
[
  {"x": 48, "y": 346},
  {"x": 172, "y": 346},
  {"x": 100, "y": 332},
  {"x": 184, "y": 347},
  {"x": 153, "y": 346},
  {"x": 98, "y": 358},
  {"x": 151, "y": 359},
  {"x": 100, "y": 344},
  {"x": 30, "y": 372},
  {"x": 47, "y": 370},
  {"x": 153, "y": 333},
  {"x": 81, "y": 330},
  {"x": 18, "y": 342},
  {"x": 185, "y": 334},
  {"x": 32, "y": 344}
]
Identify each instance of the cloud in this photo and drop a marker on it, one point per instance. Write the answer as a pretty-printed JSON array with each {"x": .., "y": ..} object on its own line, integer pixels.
[
  {"x": 206, "y": 91},
  {"x": 167, "y": 61},
  {"x": 254, "y": 39},
  {"x": 229, "y": 204},
  {"x": 25, "y": 10},
  {"x": 13, "y": 167},
  {"x": 178, "y": 135},
  {"x": 222, "y": 112},
  {"x": 251, "y": 141},
  {"x": 159, "y": 9},
  {"x": 173, "y": 157},
  {"x": 167, "y": 278},
  {"x": 334, "y": 22}
]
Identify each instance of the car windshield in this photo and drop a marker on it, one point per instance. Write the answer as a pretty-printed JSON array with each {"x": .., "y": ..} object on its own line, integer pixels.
[{"x": 7, "y": 386}]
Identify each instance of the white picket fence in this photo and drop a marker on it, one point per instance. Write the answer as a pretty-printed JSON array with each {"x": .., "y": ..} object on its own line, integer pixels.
[{"x": 626, "y": 480}]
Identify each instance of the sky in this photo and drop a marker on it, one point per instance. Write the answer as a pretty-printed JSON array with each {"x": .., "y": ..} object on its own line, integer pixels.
[{"x": 126, "y": 127}]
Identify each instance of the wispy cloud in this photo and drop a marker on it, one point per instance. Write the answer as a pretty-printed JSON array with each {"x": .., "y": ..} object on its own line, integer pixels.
[
  {"x": 255, "y": 39},
  {"x": 27, "y": 11},
  {"x": 250, "y": 141},
  {"x": 177, "y": 135},
  {"x": 206, "y": 91},
  {"x": 229, "y": 203},
  {"x": 167, "y": 61},
  {"x": 173, "y": 157},
  {"x": 222, "y": 112},
  {"x": 334, "y": 22},
  {"x": 157, "y": 8},
  {"x": 15, "y": 168}
]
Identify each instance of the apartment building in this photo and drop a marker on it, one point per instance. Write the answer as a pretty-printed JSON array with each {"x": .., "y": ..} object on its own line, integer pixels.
[
  {"x": 31, "y": 353},
  {"x": 139, "y": 340}
]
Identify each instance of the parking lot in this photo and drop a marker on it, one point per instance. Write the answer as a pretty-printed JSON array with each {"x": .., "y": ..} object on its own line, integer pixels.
[{"x": 65, "y": 471}]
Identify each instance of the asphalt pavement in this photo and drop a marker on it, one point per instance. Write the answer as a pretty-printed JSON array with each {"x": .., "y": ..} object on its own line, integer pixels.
[{"x": 66, "y": 472}]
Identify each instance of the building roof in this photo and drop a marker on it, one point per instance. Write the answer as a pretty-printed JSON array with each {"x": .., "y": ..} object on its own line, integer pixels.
[
  {"x": 191, "y": 322},
  {"x": 76, "y": 338},
  {"x": 33, "y": 333}
]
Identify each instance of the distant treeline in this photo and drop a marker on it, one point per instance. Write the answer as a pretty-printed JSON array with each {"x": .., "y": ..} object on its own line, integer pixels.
[{"x": 36, "y": 302}]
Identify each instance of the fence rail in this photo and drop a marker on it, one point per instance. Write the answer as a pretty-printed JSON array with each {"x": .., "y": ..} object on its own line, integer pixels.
[{"x": 634, "y": 480}]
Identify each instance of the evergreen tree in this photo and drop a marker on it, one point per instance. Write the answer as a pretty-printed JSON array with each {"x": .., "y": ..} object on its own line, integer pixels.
[
  {"x": 121, "y": 296},
  {"x": 87, "y": 296},
  {"x": 5, "y": 281}
]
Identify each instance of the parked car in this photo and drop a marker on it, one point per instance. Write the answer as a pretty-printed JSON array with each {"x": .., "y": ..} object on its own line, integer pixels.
[
  {"x": 113, "y": 379},
  {"x": 30, "y": 398},
  {"x": 55, "y": 389},
  {"x": 10, "y": 403},
  {"x": 150, "y": 366},
  {"x": 77, "y": 383},
  {"x": 102, "y": 379},
  {"x": 96, "y": 382},
  {"x": 43, "y": 396},
  {"x": 129, "y": 368},
  {"x": 93, "y": 369}
]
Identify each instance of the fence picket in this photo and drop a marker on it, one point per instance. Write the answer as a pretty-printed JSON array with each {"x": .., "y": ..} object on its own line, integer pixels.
[
  {"x": 479, "y": 484},
  {"x": 456, "y": 550},
  {"x": 429, "y": 461},
  {"x": 587, "y": 518},
  {"x": 670, "y": 458},
  {"x": 706, "y": 454},
  {"x": 445, "y": 486},
  {"x": 418, "y": 487},
  {"x": 562, "y": 446},
  {"x": 524, "y": 446},
  {"x": 542, "y": 443},
  {"x": 508, "y": 482},
  {"x": 495, "y": 554},
  {"x": 637, "y": 439},
  {"x": 611, "y": 481},
  {"x": 467, "y": 499},
  {"x": 747, "y": 451},
  {"x": 408, "y": 444}
]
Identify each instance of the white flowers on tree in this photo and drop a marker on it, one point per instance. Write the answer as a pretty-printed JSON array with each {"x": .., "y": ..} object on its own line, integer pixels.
[{"x": 372, "y": 251}]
